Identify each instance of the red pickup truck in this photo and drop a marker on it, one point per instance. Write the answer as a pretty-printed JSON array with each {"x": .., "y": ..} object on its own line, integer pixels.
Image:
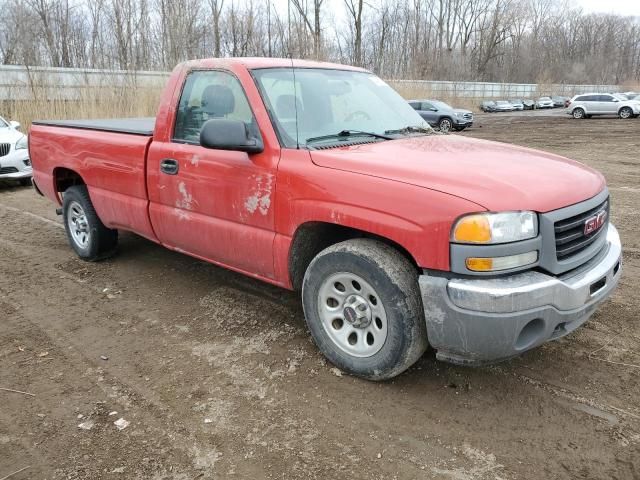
[{"x": 321, "y": 178}]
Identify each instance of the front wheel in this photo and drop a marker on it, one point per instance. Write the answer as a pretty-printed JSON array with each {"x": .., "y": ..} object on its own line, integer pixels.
[
  {"x": 363, "y": 308},
  {"x": 87, "y": 235},
  {"x": 625, "y": 112},
  {"x": 445, "y": 124}
]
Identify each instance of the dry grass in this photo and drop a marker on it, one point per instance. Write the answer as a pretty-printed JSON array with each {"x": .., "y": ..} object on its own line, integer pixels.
[{"x": 86, "y": 103}]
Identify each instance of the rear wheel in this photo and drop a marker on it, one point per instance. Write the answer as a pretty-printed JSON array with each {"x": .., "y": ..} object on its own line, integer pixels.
[
  {"x": 445, "y": 124},
  {"x": 87, "y": 235},
  {"x": 363, "y": 308},
  {"x": 625, "y": 112},
  {"x": 578, "y": 113}
]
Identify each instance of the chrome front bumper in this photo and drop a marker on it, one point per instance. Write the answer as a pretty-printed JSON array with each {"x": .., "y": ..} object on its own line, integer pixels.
[{"x": 476, "y": 321}]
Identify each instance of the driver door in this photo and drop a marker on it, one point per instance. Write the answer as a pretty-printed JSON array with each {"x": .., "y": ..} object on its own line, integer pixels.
[{"x": 213, "y": 204}]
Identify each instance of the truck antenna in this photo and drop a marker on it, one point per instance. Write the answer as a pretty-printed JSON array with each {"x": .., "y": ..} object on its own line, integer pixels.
[{"x": 295, "y": 99}]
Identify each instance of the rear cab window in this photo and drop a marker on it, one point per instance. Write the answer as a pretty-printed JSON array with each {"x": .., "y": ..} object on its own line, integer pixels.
[{"x": 206, "y": 95}]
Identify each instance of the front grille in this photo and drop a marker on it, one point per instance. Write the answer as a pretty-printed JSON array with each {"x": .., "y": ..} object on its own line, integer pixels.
[
  {"x": 571, "y": 238},
  {"x": 4, "y": 149},
  {"x": 467, "y": 116},
  {"x": 6, "y": 170}
]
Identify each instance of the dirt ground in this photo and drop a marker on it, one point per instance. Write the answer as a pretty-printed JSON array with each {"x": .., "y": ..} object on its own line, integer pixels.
[{"x": 219, "y": 380}]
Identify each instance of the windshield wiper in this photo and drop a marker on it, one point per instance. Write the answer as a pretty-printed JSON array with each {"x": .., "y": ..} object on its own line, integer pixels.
[
  {"x": 348, "y": 133},
  {"x": 410, "y": 129}
]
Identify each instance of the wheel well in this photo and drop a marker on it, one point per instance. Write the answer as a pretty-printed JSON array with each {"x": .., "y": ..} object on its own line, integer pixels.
[
  {"x": 313, "y": 237},
  {"x": 64, "y": 178}
]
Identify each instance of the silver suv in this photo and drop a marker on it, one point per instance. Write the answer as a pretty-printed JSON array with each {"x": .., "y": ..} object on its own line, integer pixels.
[{"x": 586, "y": 105}]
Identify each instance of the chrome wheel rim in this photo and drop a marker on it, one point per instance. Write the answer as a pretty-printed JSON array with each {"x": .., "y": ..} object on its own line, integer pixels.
[
  {"x": 78, "y": 225},
  {"x": 352, "y": 314},
  {"x": 577, "y": 114},
  {"x": 624, "y": 113},
  {"x": 445, "y": 125}
]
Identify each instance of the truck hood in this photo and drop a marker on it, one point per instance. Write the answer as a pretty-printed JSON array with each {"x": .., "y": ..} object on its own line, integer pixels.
[{"x": 496, "y": 176}]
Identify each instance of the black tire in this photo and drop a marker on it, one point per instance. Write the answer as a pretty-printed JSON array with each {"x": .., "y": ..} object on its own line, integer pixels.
[
  {"x": 395, "y": 281},
  {"x": 445, "y": 124},
  {"x": 578, "y": 113},
  {"x": 25, "y": 182},
  {"x": 101, "y": 242},
  {"x": 625, "y": 112}
]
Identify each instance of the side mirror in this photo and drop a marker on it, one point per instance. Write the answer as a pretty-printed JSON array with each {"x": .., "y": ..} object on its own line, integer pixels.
[
  {"x": 225, "y": 134},
  {"x": 15, "y": 124}
]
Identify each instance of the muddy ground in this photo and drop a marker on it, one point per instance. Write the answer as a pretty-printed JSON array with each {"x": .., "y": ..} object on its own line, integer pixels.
[{"x": 218, "y": 378}]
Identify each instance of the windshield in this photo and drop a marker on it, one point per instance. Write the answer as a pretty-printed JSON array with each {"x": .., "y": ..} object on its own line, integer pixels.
[
  {"x": 440, "y": 105},
  {"x": 545, "y": 98},
  {"x": 3, "y": 123},
  {"x": 620, "y": 97},
  {"x": 327, "y": 102},
  {"x": 502, "y": 102}
]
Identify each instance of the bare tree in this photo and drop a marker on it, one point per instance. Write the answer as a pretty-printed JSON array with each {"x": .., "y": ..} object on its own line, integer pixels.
[
  {"x": 498, "y": 40},
  {"x": 354, "y": 8}
]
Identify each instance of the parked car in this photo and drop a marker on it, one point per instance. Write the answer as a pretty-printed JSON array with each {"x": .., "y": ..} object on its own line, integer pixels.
[
  {"x": 488, "y": 106},
  {"x": 558, "y": 101},
  {"x": 544, "y": 102},
  {"x": 529, "y": 104},
  {"x": 442, "y": 116},
  {"x": 517, "y": 104},
  {"x": 587, "y": 105},
  {"x": 320, "y": 178},
  {"x": 504, "y": 106},
  {"x": 631, "y": 95},
  {"x": 14, "y": 153}
]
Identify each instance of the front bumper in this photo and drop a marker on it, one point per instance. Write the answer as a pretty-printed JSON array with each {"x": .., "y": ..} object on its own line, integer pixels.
[
  {"x": 460, "y": 122},
  {"x": 18, "y": 162},
  {"x": 479, "y": 321}
]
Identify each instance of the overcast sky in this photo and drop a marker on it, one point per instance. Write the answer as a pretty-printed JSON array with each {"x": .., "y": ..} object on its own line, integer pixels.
[{"x": 622, "y": 7}]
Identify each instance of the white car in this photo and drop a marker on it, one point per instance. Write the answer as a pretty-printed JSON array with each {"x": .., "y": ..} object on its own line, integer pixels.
[
  {"x": 544, "y": 102},
  {"x": 589, "y": 104},
  {"x": 14, "y": 154}
]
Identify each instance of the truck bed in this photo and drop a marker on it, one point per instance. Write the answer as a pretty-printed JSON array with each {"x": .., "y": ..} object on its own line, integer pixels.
[{"x": 133, "y": 126}]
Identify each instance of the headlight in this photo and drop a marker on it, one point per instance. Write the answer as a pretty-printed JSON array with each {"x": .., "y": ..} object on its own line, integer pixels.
[
  {"x": 492, "y": 228},
  {"x": 22, "y": 143}
]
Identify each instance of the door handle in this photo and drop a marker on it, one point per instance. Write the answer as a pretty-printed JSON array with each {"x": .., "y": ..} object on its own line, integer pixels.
[{"x": 169, "y": 166}]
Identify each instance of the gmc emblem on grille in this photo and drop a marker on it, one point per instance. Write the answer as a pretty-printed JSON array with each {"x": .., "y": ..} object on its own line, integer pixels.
[{"x": 593, "y": 224}]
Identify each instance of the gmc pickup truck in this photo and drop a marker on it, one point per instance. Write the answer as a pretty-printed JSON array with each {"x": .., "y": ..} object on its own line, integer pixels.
[{"x": 320, "y": 178}]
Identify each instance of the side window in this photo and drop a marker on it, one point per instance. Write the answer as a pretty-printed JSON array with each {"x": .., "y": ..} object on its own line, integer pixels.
[
  {"x": 415, "y": 105},
  {"x": 605, "y": 98},
  {"x": 206, "y": 95},
  {"x": 427, "y": 106}
]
